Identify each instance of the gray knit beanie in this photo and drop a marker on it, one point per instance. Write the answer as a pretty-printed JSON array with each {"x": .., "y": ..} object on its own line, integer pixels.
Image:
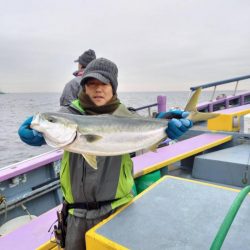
[
  {"x": 103, "y": 70},
  {"x": 86, "y": 57}
]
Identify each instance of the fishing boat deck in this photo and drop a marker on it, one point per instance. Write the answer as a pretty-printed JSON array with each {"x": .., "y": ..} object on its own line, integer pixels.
[{"x": 173, "y": 213}]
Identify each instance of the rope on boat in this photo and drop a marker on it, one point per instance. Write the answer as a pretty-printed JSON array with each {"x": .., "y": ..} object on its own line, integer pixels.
[
  {"x": 26, "y": 210},
  {"x": 4, "y": 202}
]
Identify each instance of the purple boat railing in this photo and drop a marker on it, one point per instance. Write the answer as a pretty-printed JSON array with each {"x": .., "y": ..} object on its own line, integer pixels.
[{"x": 223, "y": 101}]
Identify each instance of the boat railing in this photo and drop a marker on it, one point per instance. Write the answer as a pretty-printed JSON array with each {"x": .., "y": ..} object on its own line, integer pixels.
[
  {"x": 215, "y": 84},
  {"x": 160, "y": 104}
]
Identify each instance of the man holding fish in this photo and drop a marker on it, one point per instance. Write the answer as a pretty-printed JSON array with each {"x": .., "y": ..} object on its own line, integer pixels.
[{"x": 97, "y": 133}]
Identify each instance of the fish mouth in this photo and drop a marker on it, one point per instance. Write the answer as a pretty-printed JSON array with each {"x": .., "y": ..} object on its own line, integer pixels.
[{"x": 35, "y": 121}]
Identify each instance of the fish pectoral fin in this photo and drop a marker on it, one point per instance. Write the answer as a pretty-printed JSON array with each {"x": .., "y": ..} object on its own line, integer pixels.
[
  {"x": 92, "y": 137},
  {"x": 154, "y": 147},
  {"x": 91, "y": 160}
]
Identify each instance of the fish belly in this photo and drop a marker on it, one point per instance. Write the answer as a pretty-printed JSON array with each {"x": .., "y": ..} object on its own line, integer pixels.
[{"x": 116, "y": 143}]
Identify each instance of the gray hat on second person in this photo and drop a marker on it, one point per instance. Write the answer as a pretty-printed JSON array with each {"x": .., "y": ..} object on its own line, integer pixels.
[
  {"x": 103, "y": 70},
  {"x": 86, "y": 57}
]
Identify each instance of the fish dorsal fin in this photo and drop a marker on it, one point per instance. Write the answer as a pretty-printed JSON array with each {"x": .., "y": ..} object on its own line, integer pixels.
[
  {"x": 91, "y": 160},
  {"x": 92, "y": 137}
]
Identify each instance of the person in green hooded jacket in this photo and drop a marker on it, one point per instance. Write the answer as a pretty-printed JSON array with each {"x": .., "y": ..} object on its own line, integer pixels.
[{"x": 92, "y": 195}]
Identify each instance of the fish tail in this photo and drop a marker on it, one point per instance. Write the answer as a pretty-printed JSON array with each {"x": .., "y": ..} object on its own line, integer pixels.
[{"x": 191, "y": 107}]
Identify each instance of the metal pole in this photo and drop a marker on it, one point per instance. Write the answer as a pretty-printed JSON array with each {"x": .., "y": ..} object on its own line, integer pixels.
[
  {"x": 149, "y": 111},
  {"x": 235, "y": 89},
  {"x": 213, "y": 94}
]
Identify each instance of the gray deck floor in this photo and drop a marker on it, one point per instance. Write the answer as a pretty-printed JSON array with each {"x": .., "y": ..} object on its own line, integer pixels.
[{"x": 178, "y": 214}]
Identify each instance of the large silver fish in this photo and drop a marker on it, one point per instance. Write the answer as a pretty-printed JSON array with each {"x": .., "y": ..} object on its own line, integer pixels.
[
  {"x": 101, "y": 135},
  {"x": 106, "y": 135}
]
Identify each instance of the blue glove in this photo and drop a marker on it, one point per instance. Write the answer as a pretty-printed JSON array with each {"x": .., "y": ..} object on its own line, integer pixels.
[
  {"x": 29, "y": 135},
  {"x": 178, "y": 124},
  {"x": 177, "y": 128}
]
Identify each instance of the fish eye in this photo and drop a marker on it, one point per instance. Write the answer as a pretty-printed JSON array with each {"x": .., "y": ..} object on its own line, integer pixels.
[{"x": 51, "y": 119}]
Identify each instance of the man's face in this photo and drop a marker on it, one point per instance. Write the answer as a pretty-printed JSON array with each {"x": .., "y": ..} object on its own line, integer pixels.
[
  {"x": 80, "y": 67},
  {"x": 99, "y": 92}
]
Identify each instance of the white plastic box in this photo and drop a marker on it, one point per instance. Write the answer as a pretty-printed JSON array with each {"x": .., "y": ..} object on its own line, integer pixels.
[{"x": 245, "y": 124}]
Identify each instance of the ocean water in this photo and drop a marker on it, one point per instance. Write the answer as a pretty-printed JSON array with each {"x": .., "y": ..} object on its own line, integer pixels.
[{"x": 15, "y": 108}]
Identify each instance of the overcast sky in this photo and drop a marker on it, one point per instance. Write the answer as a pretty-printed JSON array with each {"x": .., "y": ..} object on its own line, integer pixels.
[{"x": 157, "y": 45}]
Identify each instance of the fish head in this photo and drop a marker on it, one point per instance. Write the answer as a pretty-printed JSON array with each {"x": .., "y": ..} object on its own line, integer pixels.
[{"x": 57, "y": 131}]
